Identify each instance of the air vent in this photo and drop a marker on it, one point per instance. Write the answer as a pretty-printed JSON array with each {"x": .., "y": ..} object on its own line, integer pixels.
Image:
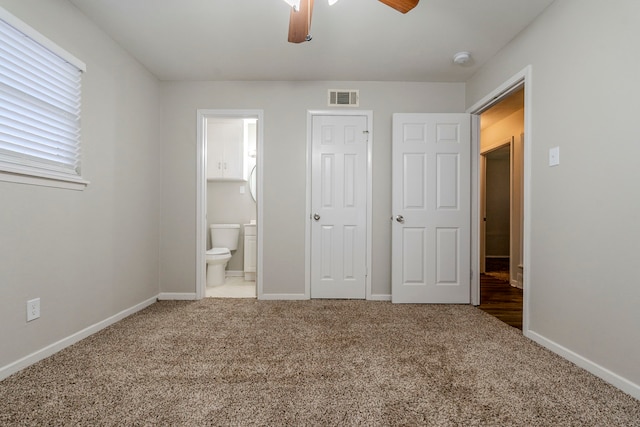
[{"x": 343, "y": 97}]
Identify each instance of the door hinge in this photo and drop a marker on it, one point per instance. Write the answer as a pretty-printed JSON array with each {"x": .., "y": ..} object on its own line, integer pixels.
[{"x": 366, "y": 134}]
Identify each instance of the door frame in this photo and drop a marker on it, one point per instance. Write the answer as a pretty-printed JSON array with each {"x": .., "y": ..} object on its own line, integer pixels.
[
  {"x": 307, "y": 264},
  {"x": 483, "y": 199},
  {"x": 201, "y": 194},
  {"x": 522, "y": 78}
]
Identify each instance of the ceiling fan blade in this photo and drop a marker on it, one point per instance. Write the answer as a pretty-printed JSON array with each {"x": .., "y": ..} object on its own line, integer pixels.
[
  {"x": 300, "y": 22},
  {"x": 403, "y": 6}
]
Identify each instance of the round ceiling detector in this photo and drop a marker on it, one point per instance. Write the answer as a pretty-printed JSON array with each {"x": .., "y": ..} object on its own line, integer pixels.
[{"x": 461, "y": 58}]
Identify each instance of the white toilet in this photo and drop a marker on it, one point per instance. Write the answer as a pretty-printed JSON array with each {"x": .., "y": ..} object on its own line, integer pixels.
[{"x": 224, "y": 239}]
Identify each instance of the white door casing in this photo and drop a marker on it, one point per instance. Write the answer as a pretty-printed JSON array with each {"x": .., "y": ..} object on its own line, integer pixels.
[
  {"x": 339, "y": 206},
  {"x": 201, "y": 195},
  {"x": 431, "y": 206}
]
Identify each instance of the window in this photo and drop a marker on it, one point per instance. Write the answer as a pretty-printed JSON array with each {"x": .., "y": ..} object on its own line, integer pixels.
[{"x": 40, "y": 93}]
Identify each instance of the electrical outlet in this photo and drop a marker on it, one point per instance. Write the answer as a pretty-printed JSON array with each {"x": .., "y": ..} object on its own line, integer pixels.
[
  {"x": 33, "y": 309},
  {"x": 554, "y": 156}
]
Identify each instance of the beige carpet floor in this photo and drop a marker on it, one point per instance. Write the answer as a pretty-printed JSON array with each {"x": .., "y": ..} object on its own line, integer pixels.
[{"x": 248, "y": 362}]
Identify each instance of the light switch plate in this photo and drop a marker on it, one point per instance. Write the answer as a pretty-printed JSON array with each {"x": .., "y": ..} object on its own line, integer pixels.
[{"x": 554, "y": 156}]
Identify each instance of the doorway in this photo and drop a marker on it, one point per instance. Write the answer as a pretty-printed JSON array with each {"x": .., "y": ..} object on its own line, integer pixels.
[
  {"x": 519, "y": 81},
  {"x": 229, "y": 185},
  {"x": 495, "y": 236},
  {"x": 501, "y": 200}
]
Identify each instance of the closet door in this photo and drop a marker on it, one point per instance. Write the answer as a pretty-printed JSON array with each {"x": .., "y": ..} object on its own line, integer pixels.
[{"x": 431, "y": 205}]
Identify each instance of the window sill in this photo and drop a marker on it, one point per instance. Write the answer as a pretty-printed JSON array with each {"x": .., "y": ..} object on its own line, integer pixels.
[{"x": 43, "y": 179}]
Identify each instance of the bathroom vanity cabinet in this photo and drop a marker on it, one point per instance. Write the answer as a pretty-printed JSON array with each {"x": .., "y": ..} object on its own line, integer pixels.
[{"x": 250, "y": 252}]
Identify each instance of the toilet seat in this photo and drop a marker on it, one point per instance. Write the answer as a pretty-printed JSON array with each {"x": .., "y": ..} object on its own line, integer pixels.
[{"x": 219, "y": 251}]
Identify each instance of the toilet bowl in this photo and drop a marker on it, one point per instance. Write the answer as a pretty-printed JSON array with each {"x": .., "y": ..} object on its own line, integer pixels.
[
  {"x": 217, "y": 259},
  {"x": 224, "y": 239}
]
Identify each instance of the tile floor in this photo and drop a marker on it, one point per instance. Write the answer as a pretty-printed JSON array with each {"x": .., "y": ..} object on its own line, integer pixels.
[{"x": 234, "y": 287}]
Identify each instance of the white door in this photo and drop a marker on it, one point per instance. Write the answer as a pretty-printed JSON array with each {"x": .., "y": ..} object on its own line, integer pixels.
[
  {"x": 431, "y": 206},
  {"x": 338, "y": 206}
]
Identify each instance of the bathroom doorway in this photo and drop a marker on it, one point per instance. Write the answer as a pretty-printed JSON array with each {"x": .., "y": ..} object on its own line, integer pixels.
[{"x": 229, "y": 154}]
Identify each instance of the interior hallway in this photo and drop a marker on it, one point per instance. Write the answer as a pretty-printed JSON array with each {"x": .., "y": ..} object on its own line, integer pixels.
[{"x": 498, "y": 298}]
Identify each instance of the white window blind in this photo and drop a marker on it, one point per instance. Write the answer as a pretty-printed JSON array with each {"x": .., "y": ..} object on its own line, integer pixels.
[{"x": 40, "y": 94}]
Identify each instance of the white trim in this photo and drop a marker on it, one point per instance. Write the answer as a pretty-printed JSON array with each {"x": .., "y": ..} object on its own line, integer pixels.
[
  {"x": 481, "y": 203},
  {"x": 524, "y": 76},
  {"x": 234, "y": 273},
  {"x": 486, "y": 150},
  {"x": 51, "y": 349},
  {"x": 307, "y": 263},
  {"x": 201, "y": 207},
  {"x": 612, "y": 378},
  {"x": 289, "y": 297},
  {"x": 39, "y": 38},
  {"x": 475, "y": 211},
  {"x": 177, "y": 296},
  {"x": 379, "y": 297},
  {"x": 307, "y": 216},
  {"x": 44, "y": 180},
  {"x": 201, "y": 195},
  {"x": 260, "y": 203},
  {"x": 501, "y": 91}
]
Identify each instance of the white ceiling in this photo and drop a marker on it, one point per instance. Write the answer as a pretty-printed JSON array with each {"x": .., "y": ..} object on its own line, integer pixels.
[{"x": 360, "y": 40}]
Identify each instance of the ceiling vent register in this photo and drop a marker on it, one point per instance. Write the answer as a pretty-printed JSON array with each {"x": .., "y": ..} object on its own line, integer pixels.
[{"x": 344, "y": 97}]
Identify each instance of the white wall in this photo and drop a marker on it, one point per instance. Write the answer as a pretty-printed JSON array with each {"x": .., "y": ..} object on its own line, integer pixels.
[
  {"x": 501, "y": 132},
  {"x": 584, "y": 238},
  {"x": 94, "y": 253},
  {"x": 285, "y": 106}
]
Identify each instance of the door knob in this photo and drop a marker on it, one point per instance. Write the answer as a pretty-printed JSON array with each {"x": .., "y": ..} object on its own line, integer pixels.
[
  {"x": 316, "y": 217},
  {"x": 400, "y": 219}
]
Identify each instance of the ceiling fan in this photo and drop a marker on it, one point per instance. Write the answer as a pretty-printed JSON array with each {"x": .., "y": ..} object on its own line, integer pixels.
[{"x": 301, "y": 10}]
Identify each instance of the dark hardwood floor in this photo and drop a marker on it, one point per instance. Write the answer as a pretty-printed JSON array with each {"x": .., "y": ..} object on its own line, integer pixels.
[{"x": 500, "y": 299}]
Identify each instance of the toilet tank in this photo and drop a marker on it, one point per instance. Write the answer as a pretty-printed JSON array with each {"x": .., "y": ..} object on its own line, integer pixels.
[{"x": 225, "y": 236}]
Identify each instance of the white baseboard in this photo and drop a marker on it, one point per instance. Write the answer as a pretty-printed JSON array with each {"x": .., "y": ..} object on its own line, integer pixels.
[
  {"x": 169, "y": 296},
  {"x": 283, "y": 297},
  {"x": 47, "y": 351},
  {"x": 516, "y": 284},
  {"x": 374, "y": 297},
  {"x": 612, "y": 378},
  {"x": 234, "y": 273},
  {"x": 380, "y": 297}
]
